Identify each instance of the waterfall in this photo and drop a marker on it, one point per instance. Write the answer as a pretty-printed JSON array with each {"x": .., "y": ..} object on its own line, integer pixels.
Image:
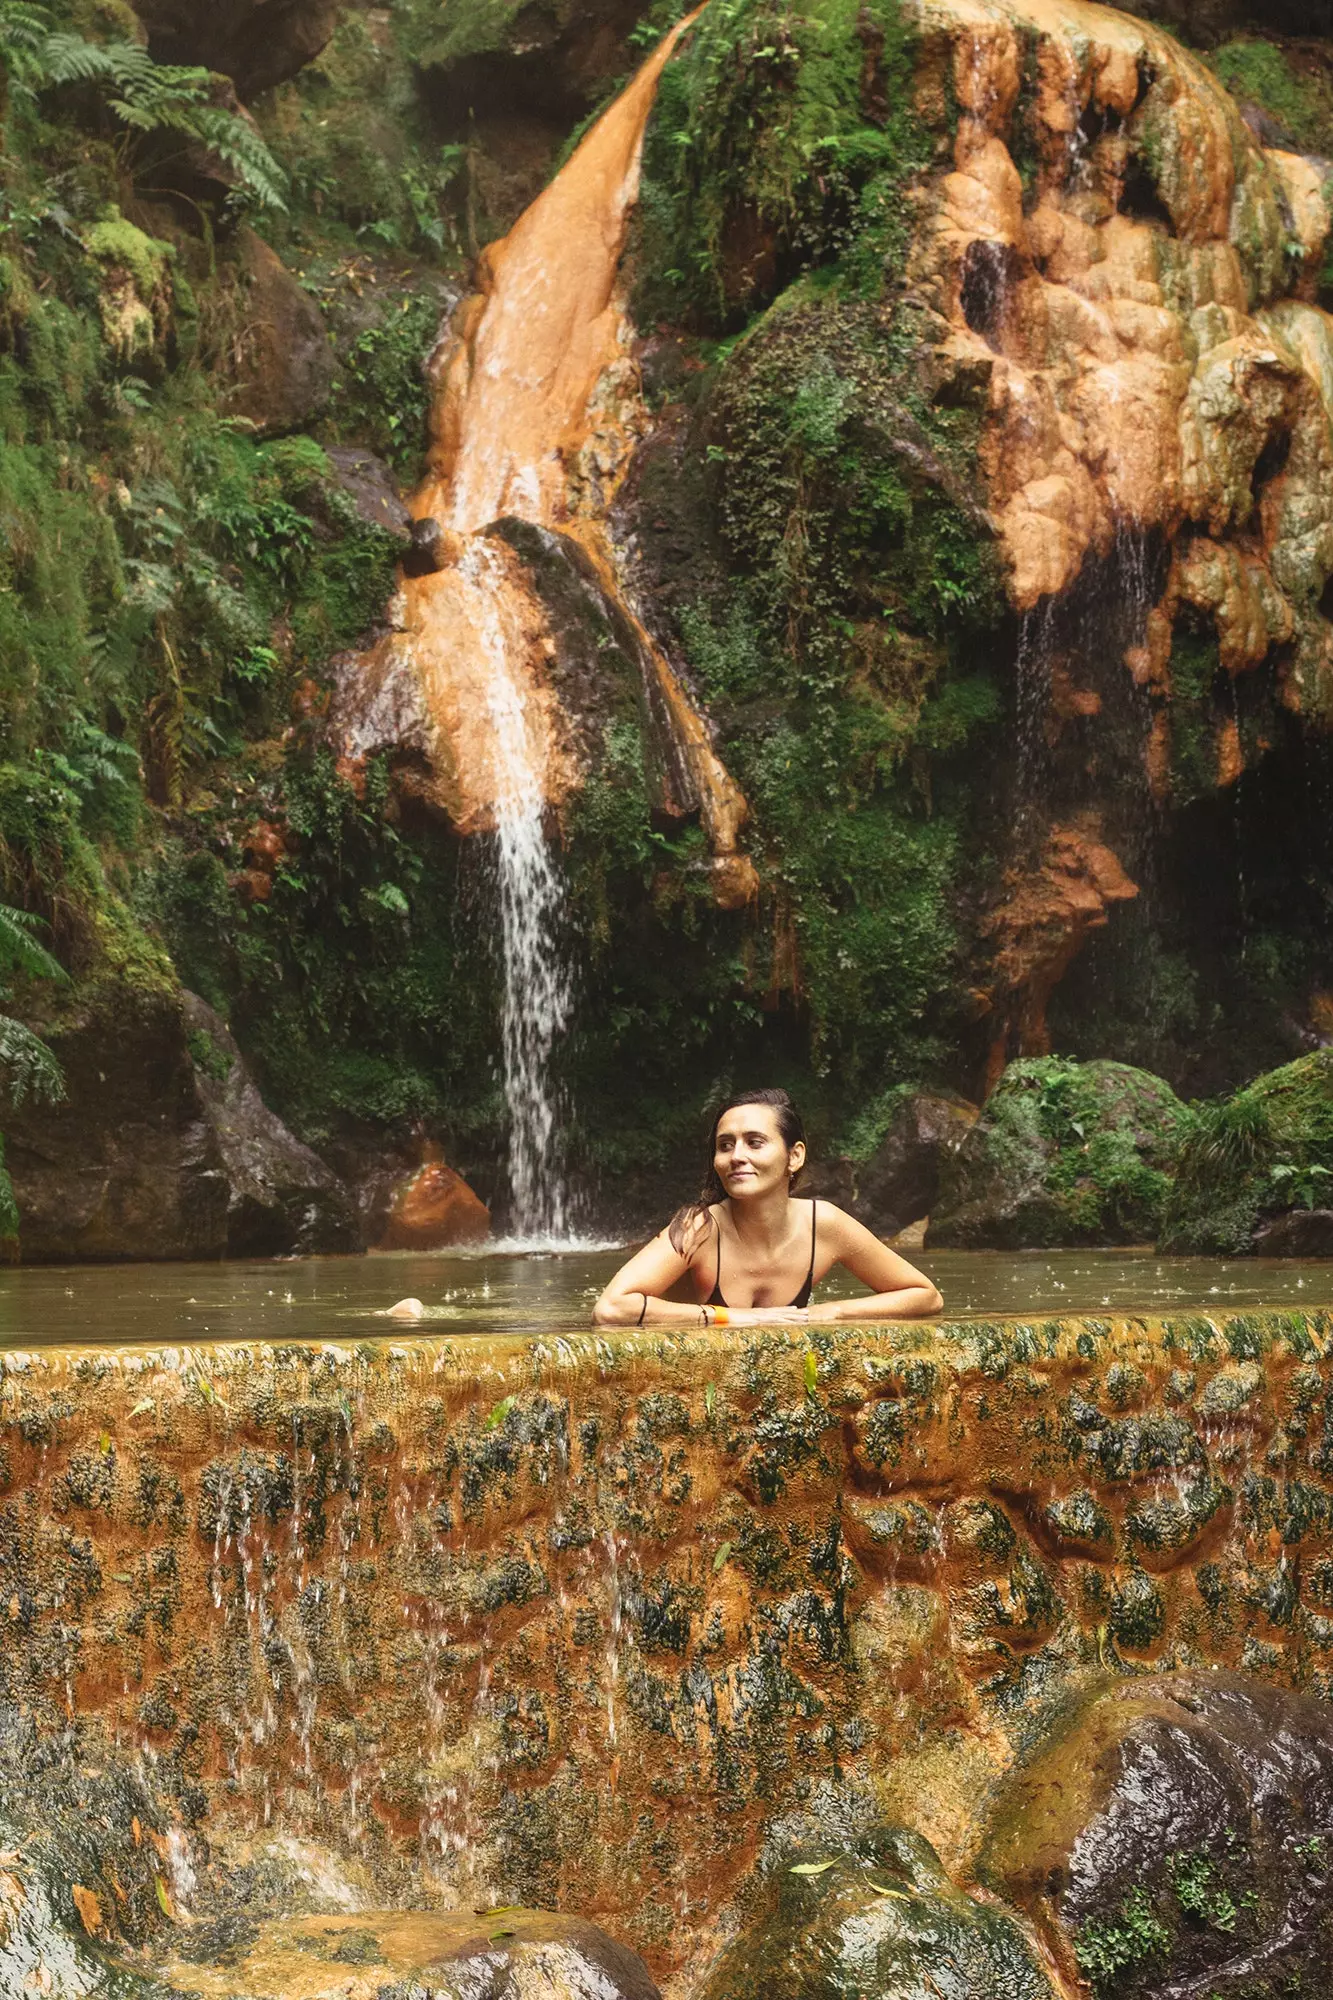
[
  {"x": 536, "y": 408},
  {"x": 535, "y": 1009}
]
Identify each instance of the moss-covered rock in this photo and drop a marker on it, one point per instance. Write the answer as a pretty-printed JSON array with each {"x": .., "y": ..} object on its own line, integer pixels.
[
  {"x": 871, "y": 1915},
  {"x": 1173, "y": 1836},
  {"x": 1065, "y": 1152},
  {"x": 1260, "y": 1159}
]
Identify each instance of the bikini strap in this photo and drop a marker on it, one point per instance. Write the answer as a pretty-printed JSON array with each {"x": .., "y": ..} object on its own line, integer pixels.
[
  {"x": 810, "y": 1274},
  {"x": 717, "y": 1275}
]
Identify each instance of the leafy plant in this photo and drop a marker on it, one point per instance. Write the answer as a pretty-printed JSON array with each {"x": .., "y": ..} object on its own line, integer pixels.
[
  {"x": 26, "y": 1063},
  {"x": 144, "y": 97}
]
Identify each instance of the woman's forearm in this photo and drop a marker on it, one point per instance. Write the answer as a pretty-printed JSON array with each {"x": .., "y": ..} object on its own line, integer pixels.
[
  {"x": 913, "y": 1302},
  {"x": 642, "y": 1309}
]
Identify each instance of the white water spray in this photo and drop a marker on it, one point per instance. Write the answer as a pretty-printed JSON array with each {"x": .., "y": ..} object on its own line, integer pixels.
[{"x": 536, "y": 1005}]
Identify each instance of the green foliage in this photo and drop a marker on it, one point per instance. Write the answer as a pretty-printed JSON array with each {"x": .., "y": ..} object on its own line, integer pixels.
[
  {"x": 27, "y": 1066},
  {"x": 362, "y": 164},
  {"x": 781, "y": 138},
  {"x": 1113, "y": 1945},
  {"x": 1267, "y": 1149},
  {"x": 382, "y": 394},
  {"x": 148, "y": 99},
  {"x": 1258, "y": 72}
]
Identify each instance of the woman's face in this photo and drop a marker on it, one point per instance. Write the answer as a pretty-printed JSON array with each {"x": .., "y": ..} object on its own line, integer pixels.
[{"x": 750, "y": 1155}]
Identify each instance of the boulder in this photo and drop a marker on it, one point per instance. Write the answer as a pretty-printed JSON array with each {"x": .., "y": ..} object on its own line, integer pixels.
[
  {"x": 871, "y": 1916},
  {"x": 1174, "y": 1839},
  {"x": 371, "y": 488},
  {"x": 503, "y": 1954},
  {"x": 899, "y": 1183},
  {"x": 283, "y": 367},
  {"x": 281, "y": 1199},
  {"x": 257, "y": 43},
  {"x": 1065, "y": 1153},
  {"x": 432, "y": 1209},
  {"x": 1302, "y": 1232},
  {"x": 128, "y": 1165}
]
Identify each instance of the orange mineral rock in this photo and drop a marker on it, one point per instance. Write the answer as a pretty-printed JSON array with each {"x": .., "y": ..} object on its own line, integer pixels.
[{"x": 433, "y": 1209}]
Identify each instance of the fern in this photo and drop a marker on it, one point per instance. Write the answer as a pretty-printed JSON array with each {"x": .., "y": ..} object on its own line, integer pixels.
[
  {"x": 144, "y": 96},
  {"x": 26, "y": 1063},
  {"x": 19, "y": 949}
]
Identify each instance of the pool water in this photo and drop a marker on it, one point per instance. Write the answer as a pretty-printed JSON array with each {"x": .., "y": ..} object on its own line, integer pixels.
[{"x": 498, "y": 1290}]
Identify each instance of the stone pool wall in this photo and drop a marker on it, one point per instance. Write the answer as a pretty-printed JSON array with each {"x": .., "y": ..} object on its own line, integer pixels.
[{"x": 574, "y": 1622}]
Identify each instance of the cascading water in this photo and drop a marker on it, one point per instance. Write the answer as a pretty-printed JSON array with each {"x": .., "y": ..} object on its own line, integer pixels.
[
  {"x": 535, "y": 411},
  {"x": 535, "y": 1009}
]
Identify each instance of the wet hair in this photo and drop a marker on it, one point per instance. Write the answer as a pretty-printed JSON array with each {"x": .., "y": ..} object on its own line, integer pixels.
[{"x": 686, "y": 1222}]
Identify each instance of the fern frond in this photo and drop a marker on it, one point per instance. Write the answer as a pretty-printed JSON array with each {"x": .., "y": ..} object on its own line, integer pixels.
[
  {"x": 19, "y": 949},
  {"x": 29, "y": 1067}
]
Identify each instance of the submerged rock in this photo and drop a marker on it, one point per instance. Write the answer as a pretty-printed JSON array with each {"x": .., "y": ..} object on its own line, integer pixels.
[
  {"x": 873, "y": 1917},
  {"x": 1175, "y": 1839},
  {"x": 501, "y": 1954},
  {"x": 1066, "y": 1153}
]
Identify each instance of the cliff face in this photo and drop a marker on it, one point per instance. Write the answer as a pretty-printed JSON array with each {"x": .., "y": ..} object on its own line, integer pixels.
[{"x": 923, "y": 599}]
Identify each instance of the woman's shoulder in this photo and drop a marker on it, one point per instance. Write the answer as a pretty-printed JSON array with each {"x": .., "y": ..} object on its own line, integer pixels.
[
  {"x": 828, "y": 1216},
  {"x": 691, "y": 1229}
]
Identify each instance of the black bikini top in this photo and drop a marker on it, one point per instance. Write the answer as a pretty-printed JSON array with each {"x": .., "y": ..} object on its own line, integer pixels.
[{"x": 802, "y": 1298}]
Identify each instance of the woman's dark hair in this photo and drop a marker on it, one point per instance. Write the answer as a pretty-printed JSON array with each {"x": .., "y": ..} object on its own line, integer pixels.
[{"x": 685, "y": 1223}]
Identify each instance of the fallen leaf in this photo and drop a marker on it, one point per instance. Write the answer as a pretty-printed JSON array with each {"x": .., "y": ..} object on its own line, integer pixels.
[
  {"x": 104, "y": 1444},
  {"x": 163, "y": 1899},
  {"x": 136, "y": 1830},
  {"x": 142, "y": 1408},
  {"x": 898, "y": 1895},
  {"x": 496, "y": 1935},
  {"x": 721, "y": 1557},
  {"x": 88, "y": 1907},
  {"x": 710, "y": 1398},
  {"x": 500, "y": 1412},
  {"x": 811, "y": 1867},
  {"x": 811, "y": 1371}
]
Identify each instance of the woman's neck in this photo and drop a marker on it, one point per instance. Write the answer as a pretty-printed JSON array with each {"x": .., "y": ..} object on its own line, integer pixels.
[{"x": 764, "y": 1222}]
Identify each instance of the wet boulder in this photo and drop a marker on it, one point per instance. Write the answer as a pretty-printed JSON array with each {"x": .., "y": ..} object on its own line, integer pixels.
[
  {"x": 1065, "y": 1153},
  {"x": 501, "y": 1954},
  {"x": 900, "y": 1182},
  {"x": 371, "y": 488},
  {"x": 1175, "y": 1838},
  {"x": 433, "y": 1208},
  {"x": 872, "y": 1916},
  {"x": 281, "y": 1198}
]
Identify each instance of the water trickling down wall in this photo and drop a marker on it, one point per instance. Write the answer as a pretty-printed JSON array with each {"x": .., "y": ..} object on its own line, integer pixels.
[{"x": 578, "y": 1621}]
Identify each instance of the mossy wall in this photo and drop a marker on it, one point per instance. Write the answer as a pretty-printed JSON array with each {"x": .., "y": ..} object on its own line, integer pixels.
[{"x": 573, "y": 1621}]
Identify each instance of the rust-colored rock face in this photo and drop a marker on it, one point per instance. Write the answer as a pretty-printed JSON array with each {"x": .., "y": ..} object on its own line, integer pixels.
[
  {"x": 577, "y": 1622},
  {"x": 537, "y": 405},
  {"x": 433, "y": 1208},
  {"x": 1132, "y": 273}
]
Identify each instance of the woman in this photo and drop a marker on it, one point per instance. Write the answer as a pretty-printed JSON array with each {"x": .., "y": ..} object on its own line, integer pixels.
[{"x": 746, "y": 1252}]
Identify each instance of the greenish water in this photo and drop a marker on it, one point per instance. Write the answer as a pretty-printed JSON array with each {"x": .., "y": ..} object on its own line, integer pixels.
[{"x": 499, "y": 1291}]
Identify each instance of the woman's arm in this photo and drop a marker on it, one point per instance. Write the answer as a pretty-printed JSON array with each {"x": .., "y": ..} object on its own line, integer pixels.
[
  {"x": 634, "y": 1295},
  {"x": 897, "y": 1289}
]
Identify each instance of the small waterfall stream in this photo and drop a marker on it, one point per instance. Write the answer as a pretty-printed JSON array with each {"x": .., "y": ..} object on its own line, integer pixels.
[
  {"x": 535, "y": 386},
  {"x": 536, "y": 1005}
]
